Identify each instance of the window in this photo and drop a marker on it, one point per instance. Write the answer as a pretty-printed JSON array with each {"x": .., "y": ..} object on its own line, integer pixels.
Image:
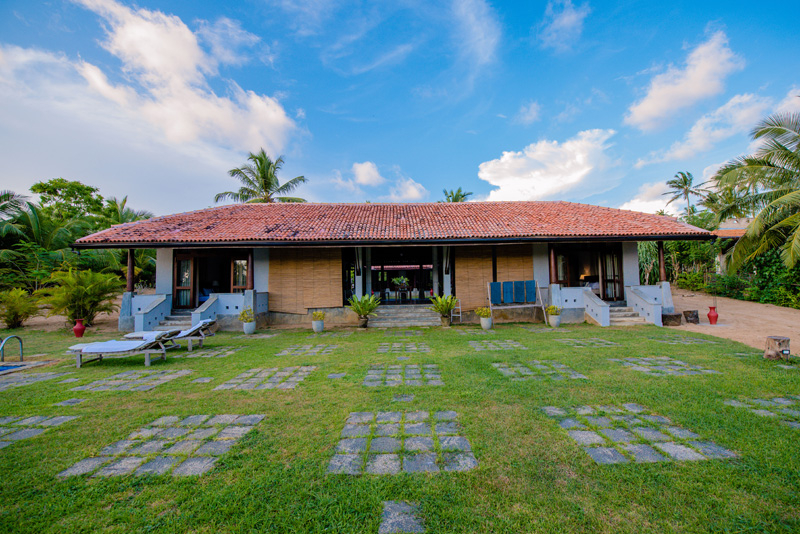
[{"x": 238, "y": 276}]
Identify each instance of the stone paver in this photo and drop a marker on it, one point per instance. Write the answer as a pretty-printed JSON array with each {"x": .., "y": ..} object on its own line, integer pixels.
[
  {"x": 202, "y": 380},
  {"x": 590, "y": 342},
  {"x": 19, "y": 428},
  {"x": 391, "y": 442},
  {"x": 663, "y": 366},
  {"x": 538, "y": 370},
  {"x": 508, "y": 344},
  {"x": 337, "y": 375},
  {"x": 619, "y": 434},
  {"x": 683, "y": 340},
  {"x": 409, "y": 375},
  {"x": 400, "y": 517},
  {"x": 17, "y": 380},
  {"x": 70, "y": 402},
  {"x": 475, "y": 332},
  {"x": 785, "y": 409},
  {"x": 403, "y": 333},
  {"x": 330, "y": 334},
  {"x": 403, "y": 398},
  {"x": 403, "y": 348},
  {"x": 216, "y": 352},
  {"x": 271, "y": 378},
  {"x": 140, "y": 380},
  {"x": 307, "y": 350},
  {"x": 185, "y": 446}
]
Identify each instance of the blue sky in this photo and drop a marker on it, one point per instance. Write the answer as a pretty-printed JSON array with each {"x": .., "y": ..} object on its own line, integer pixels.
[{"x": 596, "y": 102}]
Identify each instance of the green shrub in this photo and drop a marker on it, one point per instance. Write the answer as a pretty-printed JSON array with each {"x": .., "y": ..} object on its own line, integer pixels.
[
  {"x": 317, "y": 316},
  {"x": 16, "y": 307},
  {"x": 726, "y": 286},
  {"x": 483, "y": 313},
  {"x": 81, "y": 294},
  {"x": 364, "y": 306},
  {"x": 691, "y": 281},
  {"x": 553, "y": 310},
  {"x": 443, "y": 305}
]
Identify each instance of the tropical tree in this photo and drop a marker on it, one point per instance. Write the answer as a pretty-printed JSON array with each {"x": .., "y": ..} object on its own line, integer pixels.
[
  {"x": 10, "y": 205},
  {"x": 682, "y": 186},
  {"x": 456, "y": 196},
  {"x": 81, "y": 294},
  {"x": 66, "y": 199},
  {"x": 771, "y": 181},
  {"x": 260, "y": 182},
  {"x": 117, "y": 212}
]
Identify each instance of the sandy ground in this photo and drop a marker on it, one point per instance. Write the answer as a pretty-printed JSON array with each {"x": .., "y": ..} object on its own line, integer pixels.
[{"x": 739, "y": 320}]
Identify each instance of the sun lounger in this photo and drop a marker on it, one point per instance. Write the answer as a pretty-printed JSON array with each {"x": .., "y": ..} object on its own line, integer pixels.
[
  {"x": 197, "y": 332},
  {"x": 150, "y": 344}
]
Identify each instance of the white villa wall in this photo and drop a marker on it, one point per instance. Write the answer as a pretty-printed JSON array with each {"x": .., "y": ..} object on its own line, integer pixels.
[
  {"x": 541, "y": 264},
  {"x": 164, "y": 271},
  {"x": 630, "y": 263},
  {"x": 261, "y": 269}
]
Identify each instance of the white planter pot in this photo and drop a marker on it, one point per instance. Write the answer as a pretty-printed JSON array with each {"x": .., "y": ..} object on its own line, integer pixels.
[
  {"x": 486, "y": 323},
  {"x": 555, "y": 320},
  {"x": 249, "y": 328},
  {"x": 318, "y": 326}
]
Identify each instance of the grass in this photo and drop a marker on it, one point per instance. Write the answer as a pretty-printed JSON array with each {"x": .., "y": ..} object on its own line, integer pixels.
[{"x": 531, "y": 477}]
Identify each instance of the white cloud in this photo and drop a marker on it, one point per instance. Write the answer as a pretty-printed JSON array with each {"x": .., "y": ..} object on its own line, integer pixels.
[
  {"x": 169, "y": 74},
  {"x": 479, "y": 31},
  {"x": 528, "y": 113},
  {"x": 308, "y": 16},
  {"x": 407, "y": 190},
  {"x": 367, "y": 174},
  {"x": 650, "y": 198},
  {"x": 703, "y": 76},
  {"x": 562, "y": 25},
  {"x": 736, "y": 116},
  {"x": 791, "y": 103},
  {"x": 226, "y": 38},
  {"x": 545, "y": 169}
]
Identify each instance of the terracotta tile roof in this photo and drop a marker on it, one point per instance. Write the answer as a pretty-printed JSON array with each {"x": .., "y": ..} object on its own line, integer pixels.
[
  {"x": 341, "y": 223},
  {"x": 729, "y": 233}
]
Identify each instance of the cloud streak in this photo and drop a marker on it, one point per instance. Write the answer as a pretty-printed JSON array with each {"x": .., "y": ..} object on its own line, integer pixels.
[{"x": 562, "y": 25}]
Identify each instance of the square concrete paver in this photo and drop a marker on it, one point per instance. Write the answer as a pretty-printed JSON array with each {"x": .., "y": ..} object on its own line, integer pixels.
[
  {"x": 400, "y": 517},
  {"x": 420, "y": 463},
  {"x": 268, "y": 378},
  {"x": 383, "y": 464},
  {"x": 157, "y": 466},
  {"x": 585, "y": 437},
  {"x": 70, "y": 402},
  {"x": 348, "y": 464},
  {"x": 605, "y": 455},
  {"x": 194, "y": 467},
  {"x": 679, "y": 452},
  {"x": 85, "y": 466},
  {"x": 214, "y": 448},
  {"x": 121, "y": 466},
  {"x": 644, "y": 453}
]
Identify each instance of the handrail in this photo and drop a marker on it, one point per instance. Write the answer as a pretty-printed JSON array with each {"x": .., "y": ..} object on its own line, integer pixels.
[
  {"x": 3, "y": 344},
  {"x": 647, "y": 307},
  {"x": 596, "y": 308}
]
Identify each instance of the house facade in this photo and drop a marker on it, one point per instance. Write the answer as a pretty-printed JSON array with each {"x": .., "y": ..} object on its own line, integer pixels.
[{"x": 288, "y": 260}]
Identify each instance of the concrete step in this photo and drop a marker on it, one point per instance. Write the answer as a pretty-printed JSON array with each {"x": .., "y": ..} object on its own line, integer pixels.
[
  {"x": 620, "y": 315},
  {"x": 620, "y": 309},
  {"x": 404, "y": 316},
  {"x": 627, "y": 321},
  {"x": 175, "y": 324}
]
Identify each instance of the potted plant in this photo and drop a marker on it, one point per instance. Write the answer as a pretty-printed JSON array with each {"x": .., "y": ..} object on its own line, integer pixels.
[
  {"x": 318, "y": 321},
  {"x": 401, "y": 282},
  {"x": 248, "y": 320},
  {"x": 553, "y": 315},
  {"x": 443, "y": 306},
  {"x": 485, "y": 315},
  {"x": 364, "y": 307}
]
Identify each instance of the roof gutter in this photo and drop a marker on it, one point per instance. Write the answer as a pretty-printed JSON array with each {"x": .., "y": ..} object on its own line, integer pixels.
[{"x": 394, "y": 242}]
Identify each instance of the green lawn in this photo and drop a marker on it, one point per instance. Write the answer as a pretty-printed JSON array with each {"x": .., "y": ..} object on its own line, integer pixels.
[{"x": 531, "y": 476}]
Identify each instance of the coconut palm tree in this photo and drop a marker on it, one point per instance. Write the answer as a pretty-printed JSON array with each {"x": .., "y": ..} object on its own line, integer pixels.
[
  {"x": 456, "y": 196},
  {"x": 682, "y": 187},
  {"x": 260, "y": 179},
  {"x": 770, "y": 179},
  {"x": 10, "y": 205},
  {"x": 117, "y": 212}
]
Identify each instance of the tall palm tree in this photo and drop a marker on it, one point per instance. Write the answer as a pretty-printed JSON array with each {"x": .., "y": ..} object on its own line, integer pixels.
[
  {"x": 10, "y": 205},
  {"x": 771, "y": 181},
  {"x": 118, "y": 212},
  {"x": 682, "y": 187},
  {"x": 456, "y": 196},
  {"x": 260, "y": 179}
]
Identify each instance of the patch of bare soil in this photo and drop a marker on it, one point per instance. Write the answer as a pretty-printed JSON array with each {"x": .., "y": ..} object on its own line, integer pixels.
[{"x": 739, "y": 320}]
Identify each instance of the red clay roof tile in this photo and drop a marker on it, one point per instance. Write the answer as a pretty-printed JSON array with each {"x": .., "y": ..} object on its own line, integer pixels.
[{"x": 320, "y": 223}]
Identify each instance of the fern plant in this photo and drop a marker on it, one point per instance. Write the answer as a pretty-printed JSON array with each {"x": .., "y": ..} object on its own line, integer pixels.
[
  {"x": 443, "y": 305},
  {"x": 364, "y": 306},
  {"x": 81, "y": 294},
  {"x": 16, "y": 307}
]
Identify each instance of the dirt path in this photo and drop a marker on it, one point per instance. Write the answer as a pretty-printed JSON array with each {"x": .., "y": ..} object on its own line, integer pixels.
[{"x": 739, "y": 320}]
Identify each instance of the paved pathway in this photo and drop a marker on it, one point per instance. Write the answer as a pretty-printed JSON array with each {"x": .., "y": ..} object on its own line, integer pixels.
[
  {"x": 406, "y": 348},
  {"x": 403, "y": 333},
  {"x": 272, "y": 378},
  {"x": 26, "y": 379},
  {"x": 507, "y": 344},
  {"x": 784, "y": 409},
  {"x": 307, "y": 350},
  {"x": 14, "y": 428},
  {"x": 400, "y": 517},
  {"x": 590, "y": 342},
  {"x": 538, "y": 370},
  {"x": 386, "y": 443},
  {"x": 133, "y": 381},
  {"x": 184, "y": 446},
  {"x": 409, "y": 375},
  {"x": 663, "y": 366},
  {"x": 330, "y": 334},
  {"x": 216, "y": 352},
  {"x": 619, "y": 434}
]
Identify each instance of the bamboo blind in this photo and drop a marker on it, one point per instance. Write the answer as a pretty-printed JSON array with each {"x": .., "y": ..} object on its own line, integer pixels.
[{"x": 300, "y": 279}]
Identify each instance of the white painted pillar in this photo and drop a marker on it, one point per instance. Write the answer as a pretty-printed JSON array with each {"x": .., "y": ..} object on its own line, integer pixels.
[
  {"x": 368, "y": 269},
  {"x": 448, "y": 274},
  {"x": 359, "y": 291}
]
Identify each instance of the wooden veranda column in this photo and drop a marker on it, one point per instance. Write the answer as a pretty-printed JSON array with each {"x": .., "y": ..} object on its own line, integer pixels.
[
  {"x": 250, "y": 274},
  {"x": 662, "y": 267},
  {"x": 129, "y": 281},
  {"x": 553, "y": 271}
]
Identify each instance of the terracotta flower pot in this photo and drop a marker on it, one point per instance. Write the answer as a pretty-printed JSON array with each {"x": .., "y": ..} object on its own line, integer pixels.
[
  {"x": 79, "y": 328},
  {"x": 712, "y": 315}
]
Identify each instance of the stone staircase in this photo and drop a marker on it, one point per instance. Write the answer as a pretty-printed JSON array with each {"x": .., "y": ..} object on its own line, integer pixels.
[
  {"x": 177, "y": 320},
  {"x": 404, "y": 315},
  {"x": 625, "y": 316}
]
